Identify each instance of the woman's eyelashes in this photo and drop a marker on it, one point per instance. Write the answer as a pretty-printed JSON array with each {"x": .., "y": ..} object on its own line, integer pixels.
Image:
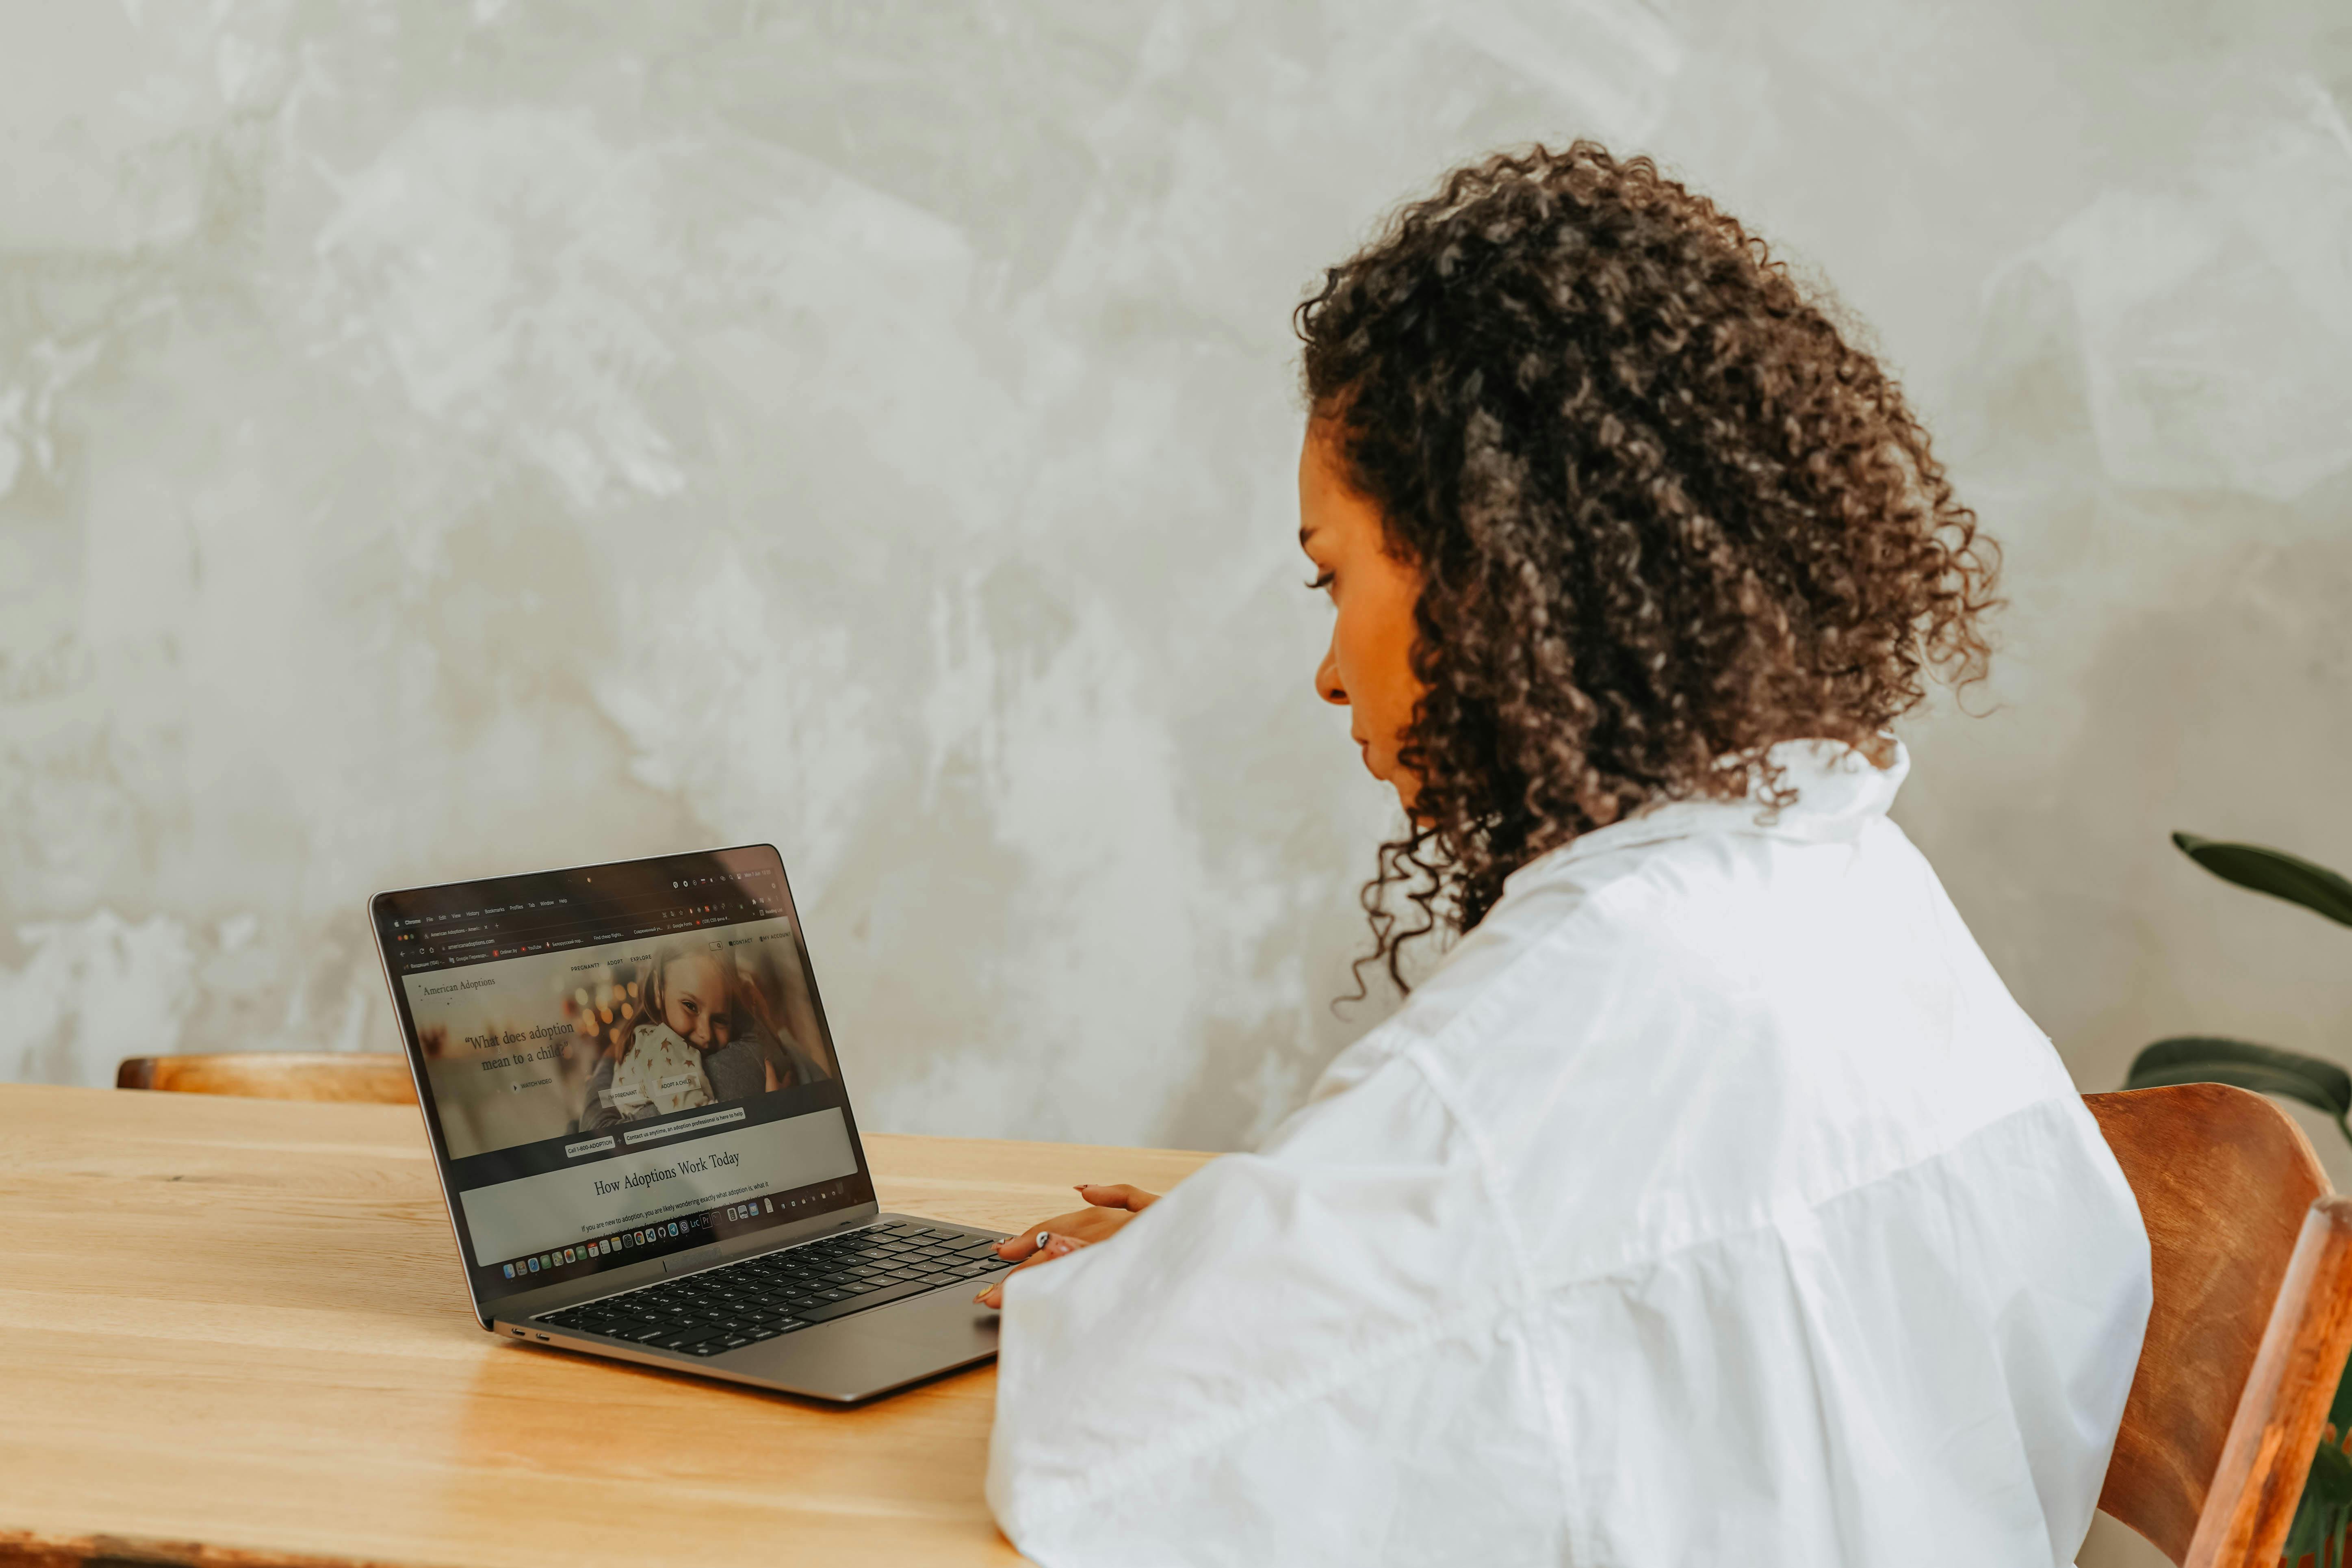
[{"x": 1320, "y": 580}]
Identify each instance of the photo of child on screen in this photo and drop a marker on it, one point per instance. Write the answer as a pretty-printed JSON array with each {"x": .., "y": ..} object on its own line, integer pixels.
[{"x": 701, "y": 1033}]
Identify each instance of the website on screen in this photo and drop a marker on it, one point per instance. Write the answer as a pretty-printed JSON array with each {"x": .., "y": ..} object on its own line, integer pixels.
[{"x": 610, "y": 1077}]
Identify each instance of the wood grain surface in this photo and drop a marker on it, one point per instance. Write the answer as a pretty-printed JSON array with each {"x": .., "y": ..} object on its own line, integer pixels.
[
  {"x": 2224, "y": 1179},
  {"x": 2284, "y": 1405},
  {"x": 375, "y": 1078},
  {"x": 233, "y": 1332}
]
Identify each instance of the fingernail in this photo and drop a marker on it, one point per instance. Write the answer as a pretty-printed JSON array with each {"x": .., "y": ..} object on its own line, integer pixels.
[{"x": 980, "y": 1299}]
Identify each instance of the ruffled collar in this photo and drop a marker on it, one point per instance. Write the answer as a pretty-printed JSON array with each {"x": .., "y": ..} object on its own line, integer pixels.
[{"x": 1839, "y": 793}]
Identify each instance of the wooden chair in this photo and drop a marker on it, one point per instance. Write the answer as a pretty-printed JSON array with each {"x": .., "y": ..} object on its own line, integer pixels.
[
  {"x": 276, "y": 1075},
  {"x": 2253, "y": 1261}
]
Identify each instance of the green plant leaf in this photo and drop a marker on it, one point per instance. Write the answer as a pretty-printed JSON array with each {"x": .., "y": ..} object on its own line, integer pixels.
[
  {"x": 2266, "y": 1069},
  {"x": 2273, "y": 872},
  {"x": 2326, "y": 1509}
]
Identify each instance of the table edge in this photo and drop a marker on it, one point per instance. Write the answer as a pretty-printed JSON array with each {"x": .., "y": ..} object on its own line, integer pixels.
[{"x": 45, "y": 1548}]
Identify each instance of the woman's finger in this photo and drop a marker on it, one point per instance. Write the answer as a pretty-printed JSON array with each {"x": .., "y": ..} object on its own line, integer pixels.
[
  {"x": 1116, "y": 1195},
  {"x": 1080, "y": 1225},
  {"x": 1021, "y": 1244},
  {"x": 1056, "y": 1247}
]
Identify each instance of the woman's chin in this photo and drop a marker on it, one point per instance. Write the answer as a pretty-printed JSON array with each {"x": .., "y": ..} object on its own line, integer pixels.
[{"x": 1401, "y": 783}]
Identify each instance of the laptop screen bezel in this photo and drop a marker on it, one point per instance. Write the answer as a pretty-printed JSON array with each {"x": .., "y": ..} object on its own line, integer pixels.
[{"x": 597, "y": 1276}]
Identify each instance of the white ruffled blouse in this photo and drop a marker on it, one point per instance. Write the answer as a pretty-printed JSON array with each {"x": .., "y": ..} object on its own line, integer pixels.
[{"x": 1713, "y": 1203}]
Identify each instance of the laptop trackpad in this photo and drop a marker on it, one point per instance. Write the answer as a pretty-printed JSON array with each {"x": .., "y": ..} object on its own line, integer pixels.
[{"x": 874, "y": 1351}]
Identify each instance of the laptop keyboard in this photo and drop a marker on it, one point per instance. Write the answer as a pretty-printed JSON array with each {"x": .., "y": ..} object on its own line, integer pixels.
[{"x": 738, "y": 1304}]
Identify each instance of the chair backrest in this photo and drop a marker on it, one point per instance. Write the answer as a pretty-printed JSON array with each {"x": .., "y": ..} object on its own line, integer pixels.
[
  {"x": 2252, "y": 1316},
  {"x": 380, "y": 1080}
]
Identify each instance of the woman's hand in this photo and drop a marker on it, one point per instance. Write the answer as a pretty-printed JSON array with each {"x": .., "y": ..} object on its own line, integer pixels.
[{"x": 1109, "y": 1207}]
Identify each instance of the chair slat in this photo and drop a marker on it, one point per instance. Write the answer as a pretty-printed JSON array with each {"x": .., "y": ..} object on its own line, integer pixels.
[
  {"x": 376, "y": 1078},
  {"x": 2226, "y": 1184},
  {"x": 2284, "y": 1405}
]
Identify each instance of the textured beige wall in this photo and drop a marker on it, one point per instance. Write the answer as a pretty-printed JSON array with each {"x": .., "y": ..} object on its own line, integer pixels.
[{"x": 440, "y": 439}]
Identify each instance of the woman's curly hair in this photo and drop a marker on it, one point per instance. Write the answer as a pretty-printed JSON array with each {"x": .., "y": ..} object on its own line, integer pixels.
[{"x": 1665, "y": 513}]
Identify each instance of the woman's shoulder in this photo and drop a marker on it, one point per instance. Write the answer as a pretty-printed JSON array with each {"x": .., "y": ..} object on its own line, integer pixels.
[
  {"x": 1551, "y": 940},
  {"x": 1735, "y": 1010}
]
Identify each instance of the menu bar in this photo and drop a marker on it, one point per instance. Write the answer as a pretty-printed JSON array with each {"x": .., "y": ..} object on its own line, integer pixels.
[{"x": 484, "y": 932}]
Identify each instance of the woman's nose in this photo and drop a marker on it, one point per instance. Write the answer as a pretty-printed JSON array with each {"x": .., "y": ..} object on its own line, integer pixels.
[{"x": 1326, "y": 678}]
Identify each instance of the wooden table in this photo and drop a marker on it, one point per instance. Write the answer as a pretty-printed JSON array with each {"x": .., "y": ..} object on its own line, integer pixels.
[{"x": 232, "y": 1332}]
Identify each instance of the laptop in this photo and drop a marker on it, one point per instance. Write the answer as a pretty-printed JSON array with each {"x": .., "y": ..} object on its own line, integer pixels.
[{"x": 645, "y": 1139}]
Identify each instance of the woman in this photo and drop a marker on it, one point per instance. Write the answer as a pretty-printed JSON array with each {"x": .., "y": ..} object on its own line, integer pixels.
[{"x": 1712, "y": 1201}]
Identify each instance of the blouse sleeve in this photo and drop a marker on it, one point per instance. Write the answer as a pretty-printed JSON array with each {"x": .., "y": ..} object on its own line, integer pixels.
[{"x": 1258, "y": 1364}]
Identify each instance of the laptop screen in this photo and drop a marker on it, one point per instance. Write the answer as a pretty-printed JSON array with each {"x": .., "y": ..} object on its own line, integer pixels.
[{"x": 620, "y": 1061}]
